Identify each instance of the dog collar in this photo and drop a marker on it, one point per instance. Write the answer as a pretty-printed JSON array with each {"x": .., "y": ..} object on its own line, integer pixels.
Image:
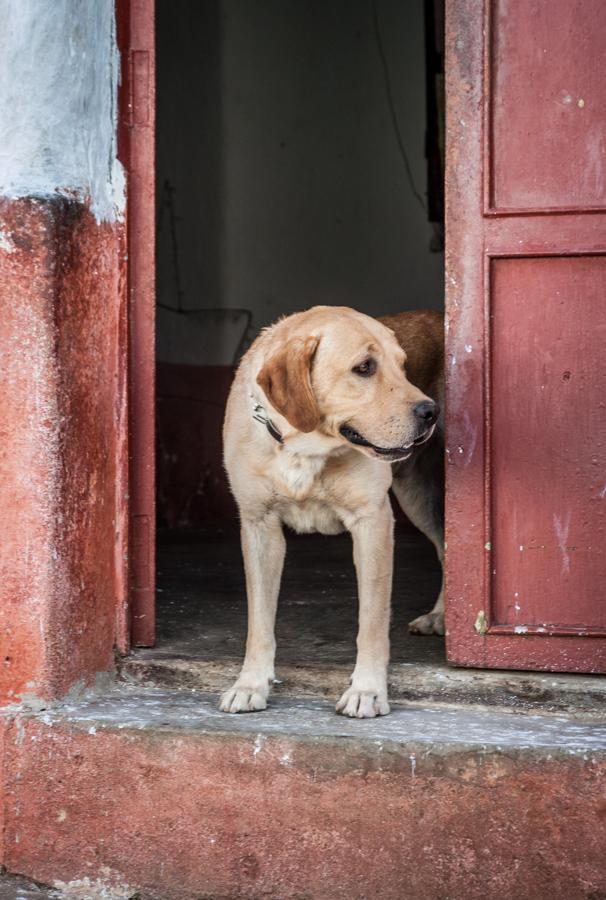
[{"x": 259, "y": 414}]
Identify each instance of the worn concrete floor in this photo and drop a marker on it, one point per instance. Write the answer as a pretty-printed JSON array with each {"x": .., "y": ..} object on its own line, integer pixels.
[
  {"x": 202, "y": 597},
  {"x": 14, "y": 888},
  {"x": 202, "y": 627},
  {"x": 432, "y": 729}
]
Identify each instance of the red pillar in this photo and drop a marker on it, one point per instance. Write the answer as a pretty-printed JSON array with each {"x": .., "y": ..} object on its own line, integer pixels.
[{"x": 63, "y": 422}]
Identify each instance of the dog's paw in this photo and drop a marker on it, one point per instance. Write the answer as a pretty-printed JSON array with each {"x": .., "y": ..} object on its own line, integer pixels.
[
  {"x": 430, "y": 623},
  {"x": 244, "y": 698},
  {"x": 359, "y": 704}
]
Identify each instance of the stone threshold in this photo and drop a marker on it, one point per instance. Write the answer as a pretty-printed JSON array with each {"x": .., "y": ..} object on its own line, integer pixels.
[
  {"x": 413, "y": 684},
  {"x": 440, "y": 730},
  {"x": 13, "y": 887}
]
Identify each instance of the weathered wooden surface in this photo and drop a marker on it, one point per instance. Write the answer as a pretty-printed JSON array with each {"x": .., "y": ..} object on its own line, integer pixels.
[{"x": 525, "y": 262}]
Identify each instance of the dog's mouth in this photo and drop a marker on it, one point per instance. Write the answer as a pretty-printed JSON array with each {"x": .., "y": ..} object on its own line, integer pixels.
[{"x": 390, "y": 454}]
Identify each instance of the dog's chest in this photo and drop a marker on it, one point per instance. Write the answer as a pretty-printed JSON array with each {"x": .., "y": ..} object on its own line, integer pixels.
[
  {"x": 308, "y": 516},
  {"x": 300, "y": 494},
  {"x": 297, "y": 476}
]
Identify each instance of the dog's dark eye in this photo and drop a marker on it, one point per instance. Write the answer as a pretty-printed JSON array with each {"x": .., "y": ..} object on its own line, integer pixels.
[{"x": 366, "y": 368}]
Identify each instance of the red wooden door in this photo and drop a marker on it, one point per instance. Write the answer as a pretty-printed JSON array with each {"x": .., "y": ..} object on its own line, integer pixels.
[
  {"x": 526, "y": 334},
  {"x": 135, "y": 21}
]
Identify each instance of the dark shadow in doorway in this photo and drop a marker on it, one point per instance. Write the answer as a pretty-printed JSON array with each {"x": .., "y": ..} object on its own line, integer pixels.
[{"x": 202, "y": 598}]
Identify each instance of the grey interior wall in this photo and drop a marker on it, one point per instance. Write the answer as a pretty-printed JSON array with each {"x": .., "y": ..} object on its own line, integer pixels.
[{"x": 287, "y": 185}]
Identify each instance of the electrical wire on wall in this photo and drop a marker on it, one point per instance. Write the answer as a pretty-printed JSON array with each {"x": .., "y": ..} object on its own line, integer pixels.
[{"x": 392, "y": 108}]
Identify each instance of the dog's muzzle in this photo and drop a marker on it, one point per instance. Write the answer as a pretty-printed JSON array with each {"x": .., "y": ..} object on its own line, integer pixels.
[{"x": 392, "y": 454}]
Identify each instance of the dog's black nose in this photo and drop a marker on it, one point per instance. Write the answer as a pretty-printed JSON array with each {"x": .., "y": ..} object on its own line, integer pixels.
[{"x": 426, "y": 412}]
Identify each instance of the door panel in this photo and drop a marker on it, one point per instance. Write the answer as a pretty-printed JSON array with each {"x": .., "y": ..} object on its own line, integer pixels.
[
  {"x": 526, "y": 328},
  {"x": 548, "y": 515},
  {"x": 547, "y": 104}
]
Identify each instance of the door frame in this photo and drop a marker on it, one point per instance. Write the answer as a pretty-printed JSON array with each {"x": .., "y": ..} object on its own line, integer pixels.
[
  {"x": 135, "y": 25},
  {"x": 475, "y": 235}
]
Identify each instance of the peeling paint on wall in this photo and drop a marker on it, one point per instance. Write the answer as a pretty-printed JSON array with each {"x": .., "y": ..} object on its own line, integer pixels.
[
  {"x": 62, "y": 411},
  {"x": 59, "y": 68}
]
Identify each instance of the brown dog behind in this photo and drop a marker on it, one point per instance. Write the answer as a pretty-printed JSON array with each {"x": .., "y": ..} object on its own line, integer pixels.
[{"x": 419, "y": 483}]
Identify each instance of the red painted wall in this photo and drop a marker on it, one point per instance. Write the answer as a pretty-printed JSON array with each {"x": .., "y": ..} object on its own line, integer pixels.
[
  {"x": 62, "y": 410},
  {"x": 192, "y": 484}
]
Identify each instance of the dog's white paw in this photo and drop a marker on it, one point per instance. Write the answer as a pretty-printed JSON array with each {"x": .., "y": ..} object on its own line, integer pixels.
[
  {"x": 359, "y": 704},
  {"x": 243, "y": 697},
  {"x": 430, "y": 623}
]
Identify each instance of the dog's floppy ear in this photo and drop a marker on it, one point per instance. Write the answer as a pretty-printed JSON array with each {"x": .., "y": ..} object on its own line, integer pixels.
[{"x": 286, "y": 381}]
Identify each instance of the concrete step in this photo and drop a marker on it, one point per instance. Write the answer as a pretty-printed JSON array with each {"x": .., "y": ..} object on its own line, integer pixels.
[
  {"x": 154, "y": 793},
  {"x": 418, "y": 683},
  {"x": 14, "y": 888}
]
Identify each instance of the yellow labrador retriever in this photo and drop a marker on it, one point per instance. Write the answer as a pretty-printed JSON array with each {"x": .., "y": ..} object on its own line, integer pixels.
[{"x": 321, "y": 421}]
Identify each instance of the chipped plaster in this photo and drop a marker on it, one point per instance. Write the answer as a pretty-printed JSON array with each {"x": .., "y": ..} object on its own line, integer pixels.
[{"x": 59, "y": 68}]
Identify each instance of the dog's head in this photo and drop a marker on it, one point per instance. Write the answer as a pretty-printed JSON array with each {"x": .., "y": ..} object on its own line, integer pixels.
[{"x": 341, "y": 372}]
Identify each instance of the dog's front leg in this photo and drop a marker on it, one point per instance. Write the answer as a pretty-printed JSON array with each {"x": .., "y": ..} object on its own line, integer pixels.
[
  {"x": 263, "y": 547},
  {"x": 373, "y": 558}
]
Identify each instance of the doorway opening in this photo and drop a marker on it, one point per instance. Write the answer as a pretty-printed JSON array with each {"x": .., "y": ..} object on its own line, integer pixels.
[{"x": 299, "y": 162}]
